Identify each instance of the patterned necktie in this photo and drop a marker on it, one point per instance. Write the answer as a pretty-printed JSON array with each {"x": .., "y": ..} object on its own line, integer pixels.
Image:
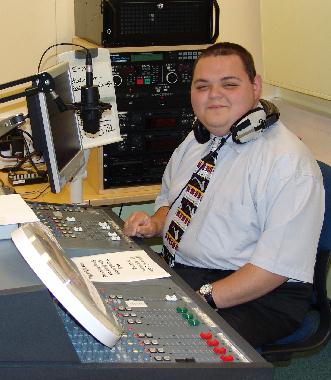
[{"x": 193, "y": 194}]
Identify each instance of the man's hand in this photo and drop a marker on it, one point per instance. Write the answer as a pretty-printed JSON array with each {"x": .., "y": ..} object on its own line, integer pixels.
[
  {"x": 140, "y": 224},
  {"x": 143, "y": 225}
]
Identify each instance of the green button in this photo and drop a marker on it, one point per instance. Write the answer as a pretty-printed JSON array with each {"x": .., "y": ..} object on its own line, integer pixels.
[
  {"x": 193, "y": 322},
  {"x": 188, "y": 316},
  {"x": 181, "y": 310}
]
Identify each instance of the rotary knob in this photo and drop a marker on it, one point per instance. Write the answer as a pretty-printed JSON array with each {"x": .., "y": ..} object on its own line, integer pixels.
[
  {"x": 117, "y": 80},
  {"x": 172, "y": 77}
]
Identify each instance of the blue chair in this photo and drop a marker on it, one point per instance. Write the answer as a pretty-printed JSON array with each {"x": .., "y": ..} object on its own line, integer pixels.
[{"x": 315, "y": 330}]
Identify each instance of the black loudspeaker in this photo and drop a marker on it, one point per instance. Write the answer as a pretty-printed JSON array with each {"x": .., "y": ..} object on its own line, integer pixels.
[{"x": 118, "y": 23}]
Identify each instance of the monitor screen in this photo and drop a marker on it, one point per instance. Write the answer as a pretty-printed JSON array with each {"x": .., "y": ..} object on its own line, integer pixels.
[
  {"x": 76, "y": 293},
  {"x": 56, "y": 134}
]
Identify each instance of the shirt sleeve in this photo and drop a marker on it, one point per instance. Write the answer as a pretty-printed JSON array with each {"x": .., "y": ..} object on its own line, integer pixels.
[{"x": 291, "y": 212}]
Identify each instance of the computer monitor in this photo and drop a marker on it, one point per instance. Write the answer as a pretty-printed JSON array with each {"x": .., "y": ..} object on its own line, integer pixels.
[{"x": 56, "y": 134}]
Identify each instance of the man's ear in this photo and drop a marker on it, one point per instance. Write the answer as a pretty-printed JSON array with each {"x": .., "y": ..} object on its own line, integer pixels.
[{"x": 257, "y": 86}]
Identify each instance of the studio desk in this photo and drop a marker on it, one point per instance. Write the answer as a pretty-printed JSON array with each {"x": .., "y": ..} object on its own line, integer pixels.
[
  {"x": 93, "y": 194},
  {"x": 168, "y": 331},
  {"x": 165, "y": 339}
]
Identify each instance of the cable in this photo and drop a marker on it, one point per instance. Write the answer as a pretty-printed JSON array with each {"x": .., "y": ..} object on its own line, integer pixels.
[
  {"x": 120, "y": 212},
  {"x": 41, "y": 192},
  {"x": 59, "y": 44},
  {"x": 22, "y": 160},
  {"x": 27, "y": 133},
  {"x": 20, "y": 164},
  {"x": 10, "y": 140},
  {"x": 29, "y": 155}
]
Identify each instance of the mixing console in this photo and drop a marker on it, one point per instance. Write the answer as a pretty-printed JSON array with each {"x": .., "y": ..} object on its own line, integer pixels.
[
  {"x": 161, "y": 321},
  {"x": 80, "y": 227},
  {"x": 161, "y": 324},
  {"x": 168, "y": 331}
]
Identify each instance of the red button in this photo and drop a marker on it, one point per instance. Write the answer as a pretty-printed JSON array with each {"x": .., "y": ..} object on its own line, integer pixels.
[
  {"x": 206, "y": 335},
  {"x": 140, "y": 81},
  {"x": 219, "y": 350},
  {"x": 227, "y": 358},
  {"x": 213, "y": 342}
]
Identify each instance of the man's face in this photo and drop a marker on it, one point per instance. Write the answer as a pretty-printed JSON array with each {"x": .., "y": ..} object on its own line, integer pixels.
[{"x": 221, "y": 92}]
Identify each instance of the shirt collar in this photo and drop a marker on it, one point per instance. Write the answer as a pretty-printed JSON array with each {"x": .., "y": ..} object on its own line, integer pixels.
[{"x": 229, "y": 143}]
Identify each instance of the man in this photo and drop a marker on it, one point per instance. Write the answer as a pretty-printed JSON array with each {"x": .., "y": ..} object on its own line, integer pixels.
[{"x": 249, "y": 242}]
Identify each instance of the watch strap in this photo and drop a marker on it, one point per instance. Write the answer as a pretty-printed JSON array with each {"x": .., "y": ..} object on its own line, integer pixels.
[{"x": 210, "y": 300}]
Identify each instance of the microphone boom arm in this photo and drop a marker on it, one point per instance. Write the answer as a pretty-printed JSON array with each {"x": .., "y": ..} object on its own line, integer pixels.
[
  {"x": 90, "y": 108},
  {"x": 43, "y": 82}
]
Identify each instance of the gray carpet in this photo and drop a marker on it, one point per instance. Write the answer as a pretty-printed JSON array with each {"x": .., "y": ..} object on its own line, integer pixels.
[{"x": 313, "y": 366}]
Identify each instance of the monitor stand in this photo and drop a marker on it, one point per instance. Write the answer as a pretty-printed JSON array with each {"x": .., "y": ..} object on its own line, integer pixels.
[
  {"x": 76, "y": 184},
  {"x": 76, "y": 190}
]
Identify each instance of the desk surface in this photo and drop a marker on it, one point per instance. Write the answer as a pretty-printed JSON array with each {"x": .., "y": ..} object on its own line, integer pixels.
[
  {"x": 130, "y": 194},
  {"x": 125, "y": 49}
]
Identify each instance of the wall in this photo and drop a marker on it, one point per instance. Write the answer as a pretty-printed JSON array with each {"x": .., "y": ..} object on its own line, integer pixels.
[
  {"x": 241, "y": 23},
  {"x": 27, "y": 28},
  {"x": 296, "y": 50},
  {"x": 296, "y": 46}
]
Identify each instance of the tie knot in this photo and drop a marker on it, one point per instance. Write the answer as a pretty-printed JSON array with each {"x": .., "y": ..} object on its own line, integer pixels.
[
  {"x": 213, "y": 144},
  {"x": 216, "y": 141}
]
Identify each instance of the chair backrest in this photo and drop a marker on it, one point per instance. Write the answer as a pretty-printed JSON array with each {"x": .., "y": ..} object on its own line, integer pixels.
[
  {"x": 324, "y": 250},
  {"x": 325, "y": 238},
  {"x": 304, "y": 339}
]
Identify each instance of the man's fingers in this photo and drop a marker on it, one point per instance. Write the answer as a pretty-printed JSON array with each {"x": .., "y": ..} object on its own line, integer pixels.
[{"x": 134, "y": 224}]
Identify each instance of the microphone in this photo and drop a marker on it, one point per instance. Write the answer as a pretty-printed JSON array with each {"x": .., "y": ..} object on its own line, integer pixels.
[
  {"x": 90, "y": 112},
  {"x": 91, "y": 108}
]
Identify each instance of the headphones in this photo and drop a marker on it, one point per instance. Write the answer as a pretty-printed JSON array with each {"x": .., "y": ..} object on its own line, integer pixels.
[{"x": 248, "y": 127}]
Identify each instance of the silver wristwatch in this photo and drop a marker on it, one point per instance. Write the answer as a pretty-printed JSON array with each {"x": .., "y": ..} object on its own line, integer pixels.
[{"x": 206, "y": 292}]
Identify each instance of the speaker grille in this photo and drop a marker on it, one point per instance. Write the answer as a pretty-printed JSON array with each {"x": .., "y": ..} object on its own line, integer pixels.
[{"x": 161, "y": 17}]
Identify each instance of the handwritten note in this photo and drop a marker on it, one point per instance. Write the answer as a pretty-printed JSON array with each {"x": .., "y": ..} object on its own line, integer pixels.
[
  {"x": 125, "y": 266},
  {"x": 102, "y": 77}
]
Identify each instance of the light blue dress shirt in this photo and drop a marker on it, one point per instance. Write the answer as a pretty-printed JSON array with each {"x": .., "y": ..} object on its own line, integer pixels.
[{"x": 264, "y": 205}]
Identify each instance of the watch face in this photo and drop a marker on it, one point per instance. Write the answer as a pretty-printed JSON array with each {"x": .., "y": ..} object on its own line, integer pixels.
[{"x": 206, "y": 289}]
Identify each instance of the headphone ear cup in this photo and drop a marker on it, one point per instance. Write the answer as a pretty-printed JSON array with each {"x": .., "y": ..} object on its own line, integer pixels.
[
  {"x": 254, "y": 122},
  {"x": 201, "y": 134},
  {"x": 272, "y": 112}
]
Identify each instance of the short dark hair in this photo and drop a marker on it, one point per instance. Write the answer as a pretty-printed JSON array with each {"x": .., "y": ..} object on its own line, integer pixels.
[{"x": 230, "y": 48}]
